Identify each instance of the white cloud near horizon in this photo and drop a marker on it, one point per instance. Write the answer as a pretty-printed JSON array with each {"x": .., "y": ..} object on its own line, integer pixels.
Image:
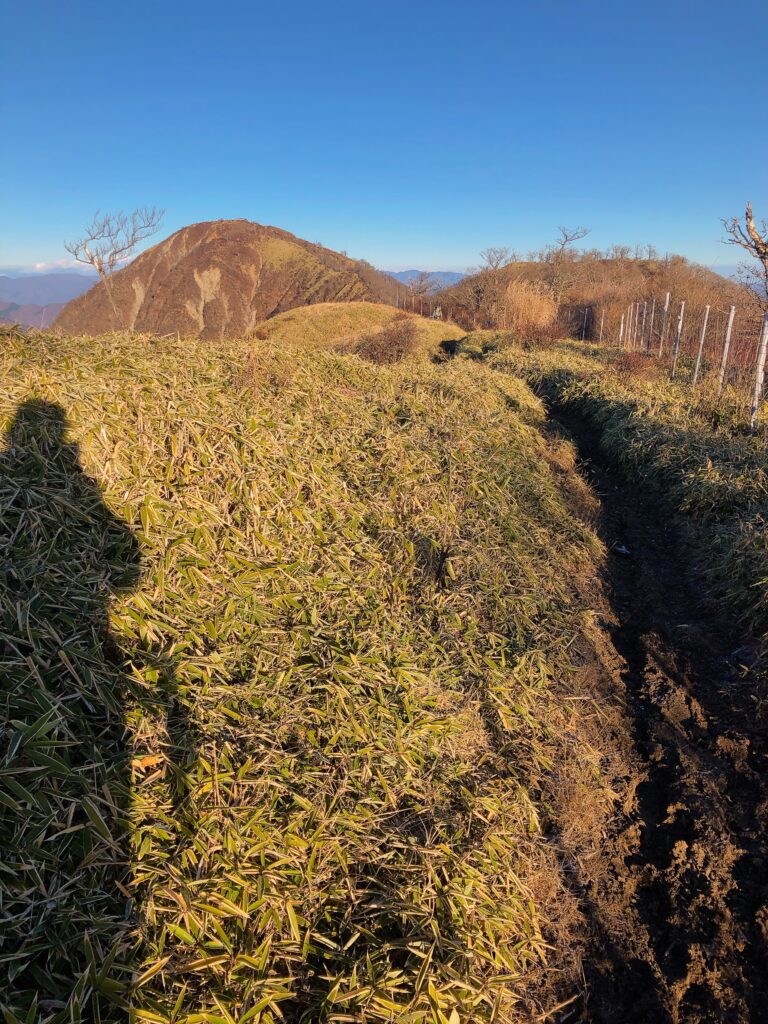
[{"x": 51, "y": 267}]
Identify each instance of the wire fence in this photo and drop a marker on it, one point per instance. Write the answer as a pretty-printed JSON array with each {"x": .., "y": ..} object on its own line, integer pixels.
[{"x": 695, "y": 340}]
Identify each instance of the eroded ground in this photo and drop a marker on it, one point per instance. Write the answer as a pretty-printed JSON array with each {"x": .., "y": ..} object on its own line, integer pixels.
[{"x": 678, "y": 897}]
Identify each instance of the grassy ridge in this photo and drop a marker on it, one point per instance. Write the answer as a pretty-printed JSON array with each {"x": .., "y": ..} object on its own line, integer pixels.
[
  {"x": 685, "y": 444},
  {"x": 341, "y": 324},
  {"x": 288, "y": 711}
]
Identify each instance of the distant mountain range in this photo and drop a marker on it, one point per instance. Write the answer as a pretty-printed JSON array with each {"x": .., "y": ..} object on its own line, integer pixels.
[
  {"x": 37, "y": 299},
  {"x": 441, "y": 278},
  {"x": 29, "y": 314}
]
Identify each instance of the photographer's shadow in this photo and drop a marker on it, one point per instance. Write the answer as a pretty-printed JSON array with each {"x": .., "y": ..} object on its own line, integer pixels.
[{"x": 64, "y": 762}]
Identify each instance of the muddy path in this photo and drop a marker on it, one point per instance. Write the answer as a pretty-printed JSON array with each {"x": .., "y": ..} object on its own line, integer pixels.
[{"x": 678, "y": 903}]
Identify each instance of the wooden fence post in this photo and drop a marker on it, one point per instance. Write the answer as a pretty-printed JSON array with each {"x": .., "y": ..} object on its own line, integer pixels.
[
  {"x": 642, "y": 329},
  {"x": 602, "y": 321},
  {"x": 678, "y": 337},
  {"x": 621, "y": 331},
  {"x": 664, "y": 325},
  {"x": 650, "y": 328},
  {"x": 726, "y": 347},
  {"x": 701, "y": 346},
  {"x": 762, "y": 351}
]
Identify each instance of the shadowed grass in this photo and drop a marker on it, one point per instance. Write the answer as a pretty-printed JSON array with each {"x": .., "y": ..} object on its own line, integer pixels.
[{"x": 687, "y": 445}]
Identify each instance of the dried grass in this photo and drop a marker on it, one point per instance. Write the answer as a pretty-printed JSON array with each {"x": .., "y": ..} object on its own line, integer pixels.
[{"x": 527, "y": 308}]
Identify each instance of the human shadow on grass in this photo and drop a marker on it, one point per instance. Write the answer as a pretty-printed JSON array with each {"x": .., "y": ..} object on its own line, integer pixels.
[{"x": 64, "y": 763}]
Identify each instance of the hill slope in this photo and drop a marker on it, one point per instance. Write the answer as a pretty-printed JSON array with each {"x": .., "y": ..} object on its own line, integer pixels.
[
  {"x": 220, "y": 278},
  {"x": 341, "y": 324},
  {"x": 597, "y": 284}
]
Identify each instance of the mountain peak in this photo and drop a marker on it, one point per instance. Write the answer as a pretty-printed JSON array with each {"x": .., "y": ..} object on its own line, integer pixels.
[{"x": 220, "y": 279}]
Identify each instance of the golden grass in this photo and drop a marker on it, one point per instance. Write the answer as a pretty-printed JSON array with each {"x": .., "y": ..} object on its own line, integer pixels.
[
  {"x": 286, "y": 649},
  {"x": 341, "y": 324},
  {"x": 526, "y": 307}
]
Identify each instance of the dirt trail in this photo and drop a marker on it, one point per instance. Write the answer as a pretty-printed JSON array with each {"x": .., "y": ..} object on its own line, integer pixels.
[{"x": 678, "y": 904}]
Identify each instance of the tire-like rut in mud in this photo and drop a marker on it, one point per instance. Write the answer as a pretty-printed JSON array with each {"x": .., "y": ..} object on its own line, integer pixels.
[{"x": 678, "y": 905}]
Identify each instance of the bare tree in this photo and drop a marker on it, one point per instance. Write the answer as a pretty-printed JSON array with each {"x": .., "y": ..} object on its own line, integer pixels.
[
  {"x": 111, "y": 239},
  {"x": 619, "y": 252},
  {"x": 497, "y": 256},
  {"x": 422, "y": 284},
  {"x": 567, "y": 237},
  {"x": 559, "y": 255},
  {"x": 755, "y": 242}
]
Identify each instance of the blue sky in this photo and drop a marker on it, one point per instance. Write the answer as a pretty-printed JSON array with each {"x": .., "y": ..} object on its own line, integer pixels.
[{"x": 407, "y": 134}]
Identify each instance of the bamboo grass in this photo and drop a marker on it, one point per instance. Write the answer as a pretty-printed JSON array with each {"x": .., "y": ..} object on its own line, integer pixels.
[{"x": 287, "y": 645}]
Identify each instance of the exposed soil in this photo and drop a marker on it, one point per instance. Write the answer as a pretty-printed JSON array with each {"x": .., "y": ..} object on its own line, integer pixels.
[{"x": 678, "y": 905}]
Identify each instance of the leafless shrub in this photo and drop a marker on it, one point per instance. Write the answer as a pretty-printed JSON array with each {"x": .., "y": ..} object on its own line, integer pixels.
[
  {"x": 497, "y": 256},
  {"x": 634, "y": 364},
  {"x": 391, "y": 343}
]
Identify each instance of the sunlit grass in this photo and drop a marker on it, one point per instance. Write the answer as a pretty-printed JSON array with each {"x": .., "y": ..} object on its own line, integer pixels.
[
  {"x": 341, "y": 324},
  {"x": 312, "y": 767}
]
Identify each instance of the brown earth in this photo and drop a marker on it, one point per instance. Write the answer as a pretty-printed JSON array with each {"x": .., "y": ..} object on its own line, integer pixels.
[
  {"x": 220, "y": 279},
  {"x": 676, "y": 895}
]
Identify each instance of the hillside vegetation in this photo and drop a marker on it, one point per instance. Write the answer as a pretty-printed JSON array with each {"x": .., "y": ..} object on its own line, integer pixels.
[
  {"x": 219, "y": 279},
  {"x": 291, "y": 646},
  {"x": 342, "y": 325},
  {"x": 601, "y": 285}
]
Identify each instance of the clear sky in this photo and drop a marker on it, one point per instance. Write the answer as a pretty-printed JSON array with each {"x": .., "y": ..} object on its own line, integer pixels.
[{"x": 410, "y": 134}]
